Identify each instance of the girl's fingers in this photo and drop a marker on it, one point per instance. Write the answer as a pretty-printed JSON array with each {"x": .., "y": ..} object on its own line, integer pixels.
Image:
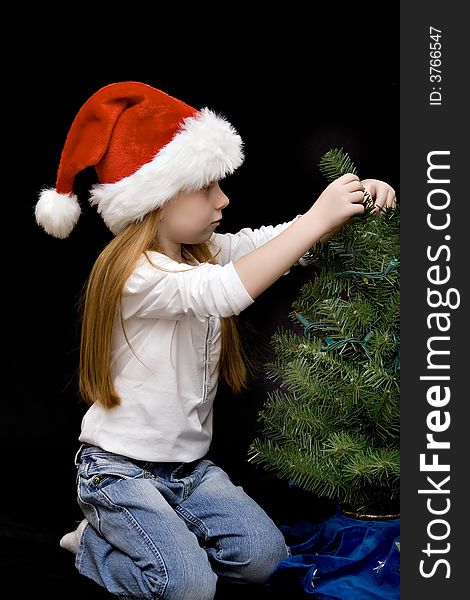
[
  {"x": 384, "y": 201},
  {"x": 348, "y": 178},
  {"x": 357, "y": 197},
  {"x": 355, "y": 183}
]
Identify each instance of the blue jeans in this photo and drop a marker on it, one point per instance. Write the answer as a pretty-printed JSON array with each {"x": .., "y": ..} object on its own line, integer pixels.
[{"x": 169, "y": 530}]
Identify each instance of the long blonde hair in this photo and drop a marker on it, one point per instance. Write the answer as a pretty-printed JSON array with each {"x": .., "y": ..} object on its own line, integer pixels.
[{"x": 101, "y": 303}]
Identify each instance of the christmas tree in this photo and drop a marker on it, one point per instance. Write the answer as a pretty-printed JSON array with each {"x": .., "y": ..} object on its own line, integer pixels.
[{"x": 330, "y": 425}]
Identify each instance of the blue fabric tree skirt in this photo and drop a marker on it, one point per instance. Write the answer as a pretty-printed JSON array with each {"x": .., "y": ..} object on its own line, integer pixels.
[{"x": 341, "y": 558}]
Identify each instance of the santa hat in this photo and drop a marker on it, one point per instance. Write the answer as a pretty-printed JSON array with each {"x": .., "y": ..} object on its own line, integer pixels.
[{"x": 145, "y": 146}]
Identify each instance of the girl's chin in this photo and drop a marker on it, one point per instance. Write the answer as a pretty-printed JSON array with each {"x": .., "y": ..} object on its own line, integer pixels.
[{"x": 205, "y": 237}]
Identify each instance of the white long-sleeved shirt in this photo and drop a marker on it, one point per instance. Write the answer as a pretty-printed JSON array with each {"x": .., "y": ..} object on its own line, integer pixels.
[{"x": 167, "y": 378}]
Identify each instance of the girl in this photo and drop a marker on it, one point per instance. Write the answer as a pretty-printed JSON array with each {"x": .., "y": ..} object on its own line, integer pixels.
[{"x": 158, "y": 330}]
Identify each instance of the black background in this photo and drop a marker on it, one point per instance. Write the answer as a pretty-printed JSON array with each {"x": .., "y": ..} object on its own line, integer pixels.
[{"x": 295, "y": 81}]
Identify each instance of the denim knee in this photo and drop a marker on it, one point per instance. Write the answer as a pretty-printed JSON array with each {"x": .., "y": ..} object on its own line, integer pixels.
[
  {"x": 263, "y": 558},
  {"x": 190, "y": 581}
]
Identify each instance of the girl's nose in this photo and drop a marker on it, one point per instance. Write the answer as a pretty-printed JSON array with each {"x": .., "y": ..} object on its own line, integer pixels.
[{"x": 222, "y": 200}]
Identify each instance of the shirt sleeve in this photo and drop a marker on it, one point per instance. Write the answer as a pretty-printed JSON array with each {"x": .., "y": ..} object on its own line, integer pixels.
[
  {"x": 232, "y": 246},
  {"x": 164, "y": 288}
]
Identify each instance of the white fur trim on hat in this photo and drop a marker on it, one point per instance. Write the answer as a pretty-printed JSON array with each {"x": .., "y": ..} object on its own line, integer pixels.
[
  {"x": 205, "y": 149},
  {"x": 57, "y": 213}
]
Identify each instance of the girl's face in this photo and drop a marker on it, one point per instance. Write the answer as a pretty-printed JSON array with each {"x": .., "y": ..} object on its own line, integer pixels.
[{"x": 191, "y": 217}]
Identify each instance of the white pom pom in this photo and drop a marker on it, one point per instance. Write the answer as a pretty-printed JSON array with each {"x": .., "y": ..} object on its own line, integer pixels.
[{"x": 57, "y": 213}]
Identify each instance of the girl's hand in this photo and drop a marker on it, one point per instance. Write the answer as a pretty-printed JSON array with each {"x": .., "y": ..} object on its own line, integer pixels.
[
  {"x": 382, "y": 194},
  {"x": 338, "y": 202}
]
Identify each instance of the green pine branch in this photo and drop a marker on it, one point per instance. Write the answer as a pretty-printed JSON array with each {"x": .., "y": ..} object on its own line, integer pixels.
[{"x": 332, "y": 425}]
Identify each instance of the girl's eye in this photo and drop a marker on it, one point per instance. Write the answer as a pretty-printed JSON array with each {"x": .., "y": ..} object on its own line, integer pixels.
[{"x": 207, "y": 187}]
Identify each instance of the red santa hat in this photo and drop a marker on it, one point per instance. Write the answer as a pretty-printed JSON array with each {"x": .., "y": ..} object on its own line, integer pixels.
[{"x": 145, "y": 147}]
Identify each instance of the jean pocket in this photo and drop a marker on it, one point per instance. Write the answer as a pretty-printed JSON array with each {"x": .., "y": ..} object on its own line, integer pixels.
[{"x": 103, "y": 468}]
